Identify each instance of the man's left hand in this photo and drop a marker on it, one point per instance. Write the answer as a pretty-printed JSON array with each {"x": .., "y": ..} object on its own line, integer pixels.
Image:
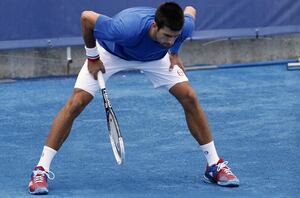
[{"x": 175, "y": 60}]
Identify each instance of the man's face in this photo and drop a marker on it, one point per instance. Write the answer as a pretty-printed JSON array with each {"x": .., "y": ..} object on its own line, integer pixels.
[{"x": 166, "y": 37}]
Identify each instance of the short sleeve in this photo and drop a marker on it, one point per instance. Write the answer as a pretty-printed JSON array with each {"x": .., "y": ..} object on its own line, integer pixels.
[
  {"x": 109, "y": 29},
  {"x": 189, "y": 25}
]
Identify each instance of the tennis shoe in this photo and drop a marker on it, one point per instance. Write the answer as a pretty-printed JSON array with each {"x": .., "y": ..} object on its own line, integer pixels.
[
  {"x": 38, "y": 184},
  {"x": 221, "y": 174}
]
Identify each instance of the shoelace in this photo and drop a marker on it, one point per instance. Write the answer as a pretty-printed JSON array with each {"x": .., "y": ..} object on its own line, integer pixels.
[
  {"x": 39, "y": 175},
  {"x": 224, "y": 167}
]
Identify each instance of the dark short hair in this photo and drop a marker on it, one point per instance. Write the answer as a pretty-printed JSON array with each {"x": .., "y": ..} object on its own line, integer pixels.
[{"x": 169, "y": 14}]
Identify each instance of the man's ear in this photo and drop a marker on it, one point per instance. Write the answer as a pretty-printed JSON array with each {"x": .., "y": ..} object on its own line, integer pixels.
[{"x": 155, "y": 27}]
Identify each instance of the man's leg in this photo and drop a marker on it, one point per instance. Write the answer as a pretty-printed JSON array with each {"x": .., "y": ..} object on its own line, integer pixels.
[
  {"x": 62, "y": 123},
  {"x": 196, "y": 120},
  {"x": 195, "y": 116},
  {"x": 59, "y": 132},
  {"x": 217, "y": 170}
]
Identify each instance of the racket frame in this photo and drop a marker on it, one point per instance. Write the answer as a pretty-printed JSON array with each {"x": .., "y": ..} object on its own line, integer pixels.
[{"x": 119, "y": 155}]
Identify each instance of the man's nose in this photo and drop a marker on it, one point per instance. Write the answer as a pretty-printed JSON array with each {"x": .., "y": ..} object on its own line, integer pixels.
[{"x": 171, "y": 41}]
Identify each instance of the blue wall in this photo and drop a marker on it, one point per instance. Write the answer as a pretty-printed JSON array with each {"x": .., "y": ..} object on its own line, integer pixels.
[{"x": 41, "y": 23}]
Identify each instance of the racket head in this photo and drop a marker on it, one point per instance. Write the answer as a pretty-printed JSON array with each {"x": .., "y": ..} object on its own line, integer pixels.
[{"x": 115, "y": 137}]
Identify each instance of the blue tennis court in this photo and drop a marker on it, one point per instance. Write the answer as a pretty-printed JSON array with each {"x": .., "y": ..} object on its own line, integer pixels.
[{"x": 254, "y": 114}]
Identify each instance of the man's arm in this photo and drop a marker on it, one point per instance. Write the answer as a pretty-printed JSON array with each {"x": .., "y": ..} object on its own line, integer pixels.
[
  {"x": 174, "y": 57},
  {"x": 88, "y": 21}
]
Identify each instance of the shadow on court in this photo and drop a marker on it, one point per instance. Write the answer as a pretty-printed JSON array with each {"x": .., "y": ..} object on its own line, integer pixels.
[{"x": 254, "y": 114}]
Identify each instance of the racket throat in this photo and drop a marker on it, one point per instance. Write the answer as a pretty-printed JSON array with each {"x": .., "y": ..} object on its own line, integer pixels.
[{"x": 105, "y": 98}]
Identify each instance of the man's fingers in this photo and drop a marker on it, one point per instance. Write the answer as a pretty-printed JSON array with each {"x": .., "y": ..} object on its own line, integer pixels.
[
  {"x": 171, "y": 67},
  {"x": 102, "y": 70},
  {"x": 95, "y": 67},
  {"x": 181, "y": 66},
  {"x": 95, "y": 74}
]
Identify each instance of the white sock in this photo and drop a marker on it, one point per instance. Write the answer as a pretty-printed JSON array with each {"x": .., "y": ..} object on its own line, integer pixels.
[
  {"x": 46, "y": 158},
  {"x": 210, "y": 153}
]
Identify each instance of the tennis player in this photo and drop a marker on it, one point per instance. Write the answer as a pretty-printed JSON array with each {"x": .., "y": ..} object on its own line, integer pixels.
[{"x": 146, "y": 39}]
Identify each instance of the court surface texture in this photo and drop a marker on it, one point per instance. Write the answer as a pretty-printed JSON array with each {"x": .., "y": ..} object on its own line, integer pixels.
[{"x": 254, "y": 114}]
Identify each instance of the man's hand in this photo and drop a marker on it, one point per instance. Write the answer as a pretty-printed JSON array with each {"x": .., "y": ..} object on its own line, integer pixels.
[
  {"x": 175, "y": 60},
  {"x": 190, "y": 10},
  {"x": 95, "y": 66}
]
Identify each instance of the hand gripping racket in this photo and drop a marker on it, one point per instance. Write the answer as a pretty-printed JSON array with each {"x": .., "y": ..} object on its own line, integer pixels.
[{"x": 115, "y": 135}]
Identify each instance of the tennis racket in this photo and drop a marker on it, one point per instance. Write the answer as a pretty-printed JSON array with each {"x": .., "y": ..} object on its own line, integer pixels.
[{"x": 115, "y": 135}]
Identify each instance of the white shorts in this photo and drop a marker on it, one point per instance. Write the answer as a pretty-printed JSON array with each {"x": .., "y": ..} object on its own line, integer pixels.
[{"x": 157, "y": 71}]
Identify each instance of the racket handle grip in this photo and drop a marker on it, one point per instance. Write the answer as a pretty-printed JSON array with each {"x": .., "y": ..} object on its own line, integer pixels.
[{"x": 101, "y": 80}]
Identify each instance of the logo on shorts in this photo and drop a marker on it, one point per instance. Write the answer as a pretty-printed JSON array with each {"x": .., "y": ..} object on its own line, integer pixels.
[{"x": 180, "y": 72}]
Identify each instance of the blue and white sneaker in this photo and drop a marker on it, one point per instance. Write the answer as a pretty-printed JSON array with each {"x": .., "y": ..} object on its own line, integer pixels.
[
  {"x": 221, "y": 174},
  {"x": 38, "y": 184}
]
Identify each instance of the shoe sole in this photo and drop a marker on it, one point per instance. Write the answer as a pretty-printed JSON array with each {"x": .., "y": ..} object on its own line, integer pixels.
[
  {"x": 232, "y": 183},
  {"x": 39, "y": 191}
]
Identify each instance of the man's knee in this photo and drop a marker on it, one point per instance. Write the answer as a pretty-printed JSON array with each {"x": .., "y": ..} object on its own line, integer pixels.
[
  {"x": 189, "y": 100},
  {"x": 185, "y": 94},
  {"x": 77, "y": 103}
]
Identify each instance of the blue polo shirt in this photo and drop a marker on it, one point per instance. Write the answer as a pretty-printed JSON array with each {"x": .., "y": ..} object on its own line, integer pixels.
[{"x": 126, "y": 35}]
